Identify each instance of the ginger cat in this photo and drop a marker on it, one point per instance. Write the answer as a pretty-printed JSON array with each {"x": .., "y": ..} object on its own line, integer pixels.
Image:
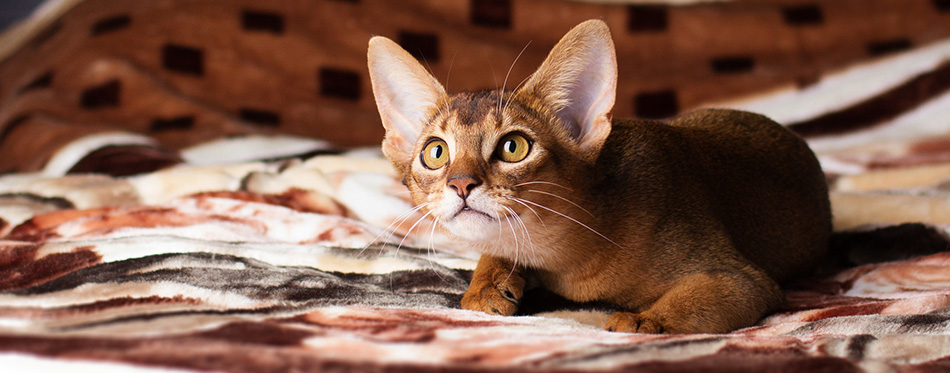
[{"x": 689, "y": 224}]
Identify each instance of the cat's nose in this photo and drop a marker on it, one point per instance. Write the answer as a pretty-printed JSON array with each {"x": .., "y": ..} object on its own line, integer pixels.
[{"x": 463, "y": 184}]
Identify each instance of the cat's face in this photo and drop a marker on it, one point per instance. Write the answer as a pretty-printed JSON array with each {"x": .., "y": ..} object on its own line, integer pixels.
[
  {"x": 494, "y": 167},
  {"x": 483, "y": 162}
]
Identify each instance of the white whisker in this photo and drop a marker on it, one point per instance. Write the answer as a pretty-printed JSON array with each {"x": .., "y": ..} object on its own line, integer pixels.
[
  {"x": 445, "y": 98},
  {"x": 391, "y": 274},
  {"x": 515, "y": 89},
  {"x": 493, "y": 77},
  {"x": 449, "y": 73},
  {"x": 431, "y": 248},
  {"x": 410, "y": 230},
  {"x": 502, "y": 90},
  {"x": 517, "y": 246},
  {"x": 535, "y": 212},
  {"x": 399, "y": 219},
  {"x": 524, "y": 230},
  {"x": 571, "y": 219},
  {"x": 542, "y": 182},
  {"x": 563, "y": 199}
]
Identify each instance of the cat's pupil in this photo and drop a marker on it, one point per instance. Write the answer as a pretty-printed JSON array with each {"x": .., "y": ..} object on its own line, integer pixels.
[
  {"x": 436, "y": 152},
  {"x": 510, "y": 146}
]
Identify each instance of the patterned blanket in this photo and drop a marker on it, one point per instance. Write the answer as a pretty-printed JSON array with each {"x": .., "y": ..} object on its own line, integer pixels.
[
  {"x": 269, "y": 252},
  {"x": 315, "y": 265}
]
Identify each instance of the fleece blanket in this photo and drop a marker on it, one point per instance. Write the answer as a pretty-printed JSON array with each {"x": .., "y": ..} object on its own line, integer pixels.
[{"x": 320, "y": 264}]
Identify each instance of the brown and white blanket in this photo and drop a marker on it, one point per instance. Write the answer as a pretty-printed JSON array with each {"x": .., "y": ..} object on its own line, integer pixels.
[
  {"x": 238, "y": 242},
  {"x": 264, "y": 275}
]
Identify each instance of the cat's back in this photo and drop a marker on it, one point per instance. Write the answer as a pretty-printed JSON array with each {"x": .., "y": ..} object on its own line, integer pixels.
[{"x": 755, "y": 177}]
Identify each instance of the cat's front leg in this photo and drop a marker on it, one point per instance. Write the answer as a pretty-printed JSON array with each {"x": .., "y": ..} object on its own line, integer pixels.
[
  {"x": 497, "y": 287},
  {"x": 716, "y": 302}
]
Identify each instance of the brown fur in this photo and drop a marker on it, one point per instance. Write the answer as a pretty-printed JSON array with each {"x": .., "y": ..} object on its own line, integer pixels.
[{"x": 689, "y": 224}]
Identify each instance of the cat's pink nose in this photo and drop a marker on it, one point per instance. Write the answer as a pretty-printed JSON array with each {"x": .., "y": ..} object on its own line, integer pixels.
[{"x": 463, "y": 184}]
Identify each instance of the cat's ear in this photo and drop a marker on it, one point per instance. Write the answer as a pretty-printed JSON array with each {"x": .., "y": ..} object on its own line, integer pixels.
[
  {"x": 406, "y": 94},
  {"x": 578, "y": 80}
]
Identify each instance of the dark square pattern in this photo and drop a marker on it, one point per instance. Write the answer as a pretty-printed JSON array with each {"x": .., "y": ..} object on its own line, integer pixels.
[
  {"x": 101, "y": 96},
  {"x": 183, "y": 59},
  {"x": 421, "y": 46},
  {"x": 491, "y": 13},
  {"x": 262, "y": 21},
  {"x": 260, "y": 117},
  {"x": 803, "y": 15},
  {"x": 656, "y": 105},
  {"x": 732, "y": 65},
  {"x": 647, "y": 18},
  {"x": 342, "y": 84},
  {"x": 111, "y": 24},
  {"x": 172, "y": 124}
]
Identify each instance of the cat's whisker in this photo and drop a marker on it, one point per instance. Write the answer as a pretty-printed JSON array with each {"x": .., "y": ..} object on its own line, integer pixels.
[
  {"x": 515, "y": 89},
  {"x": 402, "y": 219},
  {"x": 571, "y": 219},
  {"x": 530, "y": 246},
  {"x": 391, "y": 275},
  {"x": 445, "y": 98},
  {"x": 498, "y": 217},
  {"x": 403, "y": 241},
  {"x": 524, "y": 228},
  {"x": 529, "y": 208},
  {"x": 410, "y": 230},
  {"x": 517, "y": 246},
  {"x": 563, "y": 199},
  {"x": 389, "y": 229},
  {"x": 493, "y": 77},
  {"x": 431, "y": 248},
  {"x": 542, "y": 182},
  {"x": 449, "y": 73},
  {"x": 527, "y": 235},
  {"x": 502, "y": 90}
]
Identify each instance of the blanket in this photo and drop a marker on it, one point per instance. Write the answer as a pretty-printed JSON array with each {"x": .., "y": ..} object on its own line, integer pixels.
[
  {"x": 242, "y": 269},
  {"x": 151, "y": 222}
]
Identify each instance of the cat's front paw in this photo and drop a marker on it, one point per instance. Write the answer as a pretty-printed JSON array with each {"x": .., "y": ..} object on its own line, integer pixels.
[
  {"x": 627, "y": 322},
  {"x": 500, "y": 298}
]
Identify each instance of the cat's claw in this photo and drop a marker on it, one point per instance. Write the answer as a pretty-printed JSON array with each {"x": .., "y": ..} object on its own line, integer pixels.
[
  {"x": 497, "y": 299},
  {"x": 627, "y": 322}
]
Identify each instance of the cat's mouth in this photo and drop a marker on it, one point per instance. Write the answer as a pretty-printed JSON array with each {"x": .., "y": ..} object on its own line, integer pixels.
[{"x": 468, "y": 210}]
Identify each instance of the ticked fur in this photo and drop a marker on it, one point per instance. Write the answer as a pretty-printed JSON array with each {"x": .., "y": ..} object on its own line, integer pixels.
[{"x": 688, "y": 224}]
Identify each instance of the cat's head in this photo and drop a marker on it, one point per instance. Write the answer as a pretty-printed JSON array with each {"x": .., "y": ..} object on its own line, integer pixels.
[{"x": 484, "y": 162}]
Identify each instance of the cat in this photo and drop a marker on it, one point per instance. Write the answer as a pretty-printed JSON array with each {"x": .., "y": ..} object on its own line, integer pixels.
[{"x": 689, "y": 225}]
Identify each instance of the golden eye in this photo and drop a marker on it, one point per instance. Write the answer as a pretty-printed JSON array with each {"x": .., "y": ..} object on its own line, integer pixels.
[
  {"x": 514, "y": 147},
  {"x": 435, "y": 154}
]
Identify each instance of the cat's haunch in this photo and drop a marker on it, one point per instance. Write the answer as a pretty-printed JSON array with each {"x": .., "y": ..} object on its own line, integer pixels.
[{"x": 688, "y": 224}]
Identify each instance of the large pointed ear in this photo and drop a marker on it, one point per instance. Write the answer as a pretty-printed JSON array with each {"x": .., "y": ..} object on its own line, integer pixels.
[
  {"x": 578, "y": 81},
  {"x": 406, "y": 94}
]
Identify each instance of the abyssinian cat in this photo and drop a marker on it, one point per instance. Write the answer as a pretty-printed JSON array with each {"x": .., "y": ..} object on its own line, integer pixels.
[{"x": 688, "y": 224}]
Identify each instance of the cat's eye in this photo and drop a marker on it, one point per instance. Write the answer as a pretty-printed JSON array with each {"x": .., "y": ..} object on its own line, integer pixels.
[
  {"x": 514, "y": 147},
  {"x": 435, "y": 154}
]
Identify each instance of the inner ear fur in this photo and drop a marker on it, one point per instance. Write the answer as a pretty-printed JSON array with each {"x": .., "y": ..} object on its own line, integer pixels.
[
  {"x": 578, "y": 82},
  {"x": 406, "y": 96}
]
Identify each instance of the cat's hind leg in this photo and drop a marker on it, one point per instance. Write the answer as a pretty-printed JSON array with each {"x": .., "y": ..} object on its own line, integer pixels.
[
  {"x": 710, "y": 302},
  {"x": 497, "y": 287}
]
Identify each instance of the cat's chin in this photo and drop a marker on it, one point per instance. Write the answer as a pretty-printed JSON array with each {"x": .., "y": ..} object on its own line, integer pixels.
[{"x": 472, "y": 225}]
